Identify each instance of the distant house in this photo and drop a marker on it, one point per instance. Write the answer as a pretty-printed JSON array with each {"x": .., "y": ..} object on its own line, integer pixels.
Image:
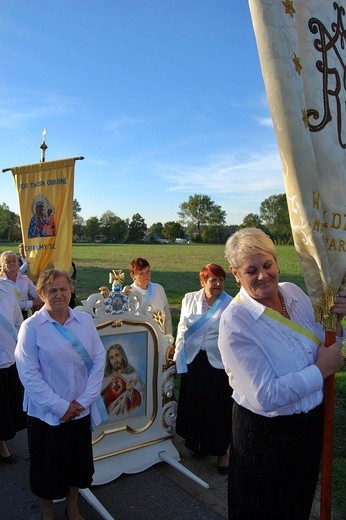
[{"x": 154, "y": 238}]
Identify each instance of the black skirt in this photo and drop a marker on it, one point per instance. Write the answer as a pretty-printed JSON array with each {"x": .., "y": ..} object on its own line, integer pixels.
[
  {"x": 13, "y": 419},
  {"x": 60, "y": 457},
  {"x": 274, "y": 465},
  {"x": 204, "y": 417}
]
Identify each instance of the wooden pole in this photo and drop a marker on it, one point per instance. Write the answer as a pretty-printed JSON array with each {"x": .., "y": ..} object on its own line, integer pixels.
[{"x": 328, "y": 440}]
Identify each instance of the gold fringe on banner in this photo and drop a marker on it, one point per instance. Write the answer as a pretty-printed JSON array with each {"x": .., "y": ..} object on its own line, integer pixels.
[{"x": 323, "y": 306}]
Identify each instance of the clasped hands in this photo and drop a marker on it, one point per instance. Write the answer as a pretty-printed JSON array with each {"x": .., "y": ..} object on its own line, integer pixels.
[{"x": 74, "y": 410}]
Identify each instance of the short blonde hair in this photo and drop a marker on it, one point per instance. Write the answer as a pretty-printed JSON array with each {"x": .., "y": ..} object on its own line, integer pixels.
[
  {"x": 48, "y": 276},
  {"x": 6, "y": 255},
  {"x": 245, "y": 242}
]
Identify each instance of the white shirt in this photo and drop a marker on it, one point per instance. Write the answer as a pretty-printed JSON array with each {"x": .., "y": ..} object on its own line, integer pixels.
[
  {"x": 158, "y": 301},
  {"x": 52, "y": 372},
  {"x": 10, "y": 310},
  {"x": 23, "y": 287},
  {"x": 23, "y": 265},
  {"x": 270, "y": 366},
  {"x": 191, "y": 311}
]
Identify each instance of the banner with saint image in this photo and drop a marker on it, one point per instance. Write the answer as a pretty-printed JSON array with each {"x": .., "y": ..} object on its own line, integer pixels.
[
  {"x": 45, "y": 193},
  {"x": 302, "y": 53}
]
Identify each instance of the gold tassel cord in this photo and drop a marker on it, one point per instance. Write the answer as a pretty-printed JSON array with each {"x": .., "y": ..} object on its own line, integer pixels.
[{"x": 323, "y": 306}]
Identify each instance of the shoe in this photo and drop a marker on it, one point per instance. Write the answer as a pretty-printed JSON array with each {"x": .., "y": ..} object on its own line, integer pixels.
[
  {"x": 223, "y": 470},
  {"x": 10, "y": 459}
]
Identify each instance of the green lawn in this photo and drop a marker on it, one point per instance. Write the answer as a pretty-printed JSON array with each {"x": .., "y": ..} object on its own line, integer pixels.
[{"x": 176, "y": 267}]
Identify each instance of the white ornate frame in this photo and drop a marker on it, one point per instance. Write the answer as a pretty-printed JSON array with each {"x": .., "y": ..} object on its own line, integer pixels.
[{"x": 134, "y": 443}]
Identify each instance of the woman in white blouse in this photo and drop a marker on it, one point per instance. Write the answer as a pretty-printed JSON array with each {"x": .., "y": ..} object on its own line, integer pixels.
[
  {"x": 205, "y": 398},
  {"x": 13, "y": 419},
  {"x": 60, "y": 360},
  {"x": 273, "y": 353},
  {"x": 153, "y": 294},
  {"x": 21, "y": 284}
]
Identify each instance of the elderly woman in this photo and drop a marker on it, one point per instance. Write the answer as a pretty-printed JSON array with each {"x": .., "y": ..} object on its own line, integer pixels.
[
  {"x": 21, "y": 284},
  {"x": 153, "y": 293},
  {"x": 205, "y": 398},
  {"x": 273, "y": 353},
  {"x": 13, "y": 418},
  {"x": 60, "y": 360}
]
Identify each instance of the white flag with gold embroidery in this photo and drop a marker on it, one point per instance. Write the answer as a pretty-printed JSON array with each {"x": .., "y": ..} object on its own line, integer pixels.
[
  {"x": 302, "y": 51},
  {"x": 45, "y": 193}
]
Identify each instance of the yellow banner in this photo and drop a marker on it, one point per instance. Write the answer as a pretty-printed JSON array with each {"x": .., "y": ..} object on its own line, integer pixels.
[
  {"x": 302, "y": 51},
  {"x": 45, "y": 193}
]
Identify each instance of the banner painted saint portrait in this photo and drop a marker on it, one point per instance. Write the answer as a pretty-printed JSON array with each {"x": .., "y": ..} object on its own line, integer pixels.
[{"x": 45, "y": 193}]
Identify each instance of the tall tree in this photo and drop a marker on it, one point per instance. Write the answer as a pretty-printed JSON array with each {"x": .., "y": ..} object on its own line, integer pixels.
[
  {"x": 157, "y": 228},
  {"x": 274, "y": 213},
  {"x": 214, "y": 234},
  {"x": 252, "y": 220},
  {"x": 119, "y": 230},
  {"x": 9, "y": 224},
  {"x": 76, "y": 208},
  {"x": 200, "y": 210},
  {"x": 173, "y": 230},
  {"x": 92, "y": 228},
  {"x": 78, "y": 228},
  {"x": 106, "y": 222},
  {"x": 137, "y": 229}
]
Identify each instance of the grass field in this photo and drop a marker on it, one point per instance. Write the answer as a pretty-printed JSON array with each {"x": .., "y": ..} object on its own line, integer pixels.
[{"x": 176, "y": 267}]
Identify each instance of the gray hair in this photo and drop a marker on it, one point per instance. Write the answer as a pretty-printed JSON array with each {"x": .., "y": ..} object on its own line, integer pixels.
[
  {"x": 48, "y": 276},
  {"x": 245, "y": 242}
]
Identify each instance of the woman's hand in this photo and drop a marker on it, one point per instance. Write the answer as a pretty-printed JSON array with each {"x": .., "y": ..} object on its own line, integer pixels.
[
  {"x": 329, "y": 359},
  {"x": 72, "y": 411},
  {"x": 340, "y": 305},
  {"x": 37, "y": 304}
]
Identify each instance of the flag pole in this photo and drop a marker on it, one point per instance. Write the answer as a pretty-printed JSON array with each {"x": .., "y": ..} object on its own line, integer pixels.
[
  {"x": 328, "y": 439},
  {"x": 43, "y": 146}
]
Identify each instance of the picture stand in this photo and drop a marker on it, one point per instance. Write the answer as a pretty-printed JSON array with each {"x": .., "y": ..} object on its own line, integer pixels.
[{"x": 137, "y": 390}]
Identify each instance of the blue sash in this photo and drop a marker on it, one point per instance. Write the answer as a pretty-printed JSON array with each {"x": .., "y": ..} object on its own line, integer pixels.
[
  {"x": 9, "y": 327},
  {"x": 97, "y": 409},
  {"x": 200, "y": 326},
  {"x": 149, "y": 293}
]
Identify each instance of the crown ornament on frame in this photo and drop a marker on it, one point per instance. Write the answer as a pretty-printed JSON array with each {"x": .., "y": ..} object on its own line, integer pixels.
[{"x": 119, "y": 300}]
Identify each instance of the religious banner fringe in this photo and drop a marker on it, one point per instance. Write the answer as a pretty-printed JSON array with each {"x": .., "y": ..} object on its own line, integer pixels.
[{"x": 45, "y": 194}]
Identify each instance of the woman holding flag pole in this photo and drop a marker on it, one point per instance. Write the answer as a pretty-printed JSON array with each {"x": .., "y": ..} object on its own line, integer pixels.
[
  {"x": 274, "y": 355},
  {"x": 205, "y": 398}
]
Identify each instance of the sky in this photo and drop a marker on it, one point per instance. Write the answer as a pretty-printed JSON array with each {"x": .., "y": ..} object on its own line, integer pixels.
[{"x": 164, "y": 99}]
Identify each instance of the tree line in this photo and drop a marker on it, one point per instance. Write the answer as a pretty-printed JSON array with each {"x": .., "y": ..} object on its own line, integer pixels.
[{"x": 199, "y": 220}]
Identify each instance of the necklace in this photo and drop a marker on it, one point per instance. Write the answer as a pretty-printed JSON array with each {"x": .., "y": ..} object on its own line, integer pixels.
[{"x": 284, "y": 311}]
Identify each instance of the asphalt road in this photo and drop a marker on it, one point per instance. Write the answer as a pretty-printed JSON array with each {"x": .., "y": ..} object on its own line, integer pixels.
[{"x": 158, "y": 493}]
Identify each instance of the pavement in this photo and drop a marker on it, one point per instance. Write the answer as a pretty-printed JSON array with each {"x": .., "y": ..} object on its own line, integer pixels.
[{"x": 158, "y": 493}]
